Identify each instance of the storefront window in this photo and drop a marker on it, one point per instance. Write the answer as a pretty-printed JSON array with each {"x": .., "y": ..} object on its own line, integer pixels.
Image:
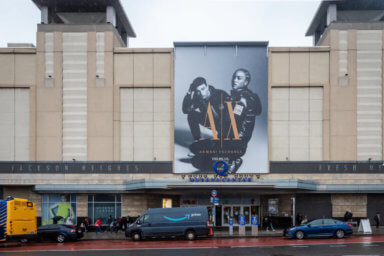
[
  {"x": 273, "y": 206},
  {"x": 102, "y": 206},
  {"x": 58, "y": 208}
]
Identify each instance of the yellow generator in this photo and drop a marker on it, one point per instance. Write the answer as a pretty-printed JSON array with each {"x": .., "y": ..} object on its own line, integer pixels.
[{"x": 17, "y": 219}]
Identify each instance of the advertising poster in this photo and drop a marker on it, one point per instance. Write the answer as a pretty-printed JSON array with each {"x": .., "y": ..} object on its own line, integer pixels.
[
  {"x": 59, "y": 207},
  {"x": 221, "y": 107}
]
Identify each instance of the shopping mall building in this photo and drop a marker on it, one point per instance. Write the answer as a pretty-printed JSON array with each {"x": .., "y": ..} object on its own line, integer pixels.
[{"x": 92, "y": 127}]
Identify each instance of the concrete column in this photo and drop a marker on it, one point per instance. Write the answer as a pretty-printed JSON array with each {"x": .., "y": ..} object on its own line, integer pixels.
[
  {"x": 331, "y": 13},
  {"x": 44, "y": 15},
  {"x": 111, "y": 15}
]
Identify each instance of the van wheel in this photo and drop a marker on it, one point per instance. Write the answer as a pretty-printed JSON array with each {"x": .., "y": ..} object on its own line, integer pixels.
[
  {"x": 190, "y": 235},
  {"x": 60, "y": 238},
  {"x": 299, "y": 234},
  {"x": 136, "y": 236},
  {"x": 339, "y": 233}
]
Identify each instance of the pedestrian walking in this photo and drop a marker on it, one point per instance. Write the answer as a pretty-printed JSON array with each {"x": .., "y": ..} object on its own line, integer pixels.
[
  {"x": 114, "y": 226},
  {"x": 268, "y": 223},
  {"x": 125, "y": 223},
  {"x": 299, "y": 218},
  {"x": 120, "y": 223},
  {"x": 377, "y": 219},
  {"x": 98, "y": 226},
  {"x": 109, "y": 222},
  {"x": 86, "y": 224}
]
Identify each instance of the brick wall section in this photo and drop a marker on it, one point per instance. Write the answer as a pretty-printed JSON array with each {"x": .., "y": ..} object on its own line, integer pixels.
[
  {"x": 133, "y": 205},
  {"x": 136, "y": 204},
  {"x": 81, "y": 205},
  {"x": 26, "y": 193},
  {"x": 357, "y": 204}
]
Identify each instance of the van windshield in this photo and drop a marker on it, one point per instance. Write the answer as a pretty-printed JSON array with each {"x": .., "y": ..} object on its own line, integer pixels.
[
  {"x": 146, "y": 219},
  {"x": 143, "y": 219}
]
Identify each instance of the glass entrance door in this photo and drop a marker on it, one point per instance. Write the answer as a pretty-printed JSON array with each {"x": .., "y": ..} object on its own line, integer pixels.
[
  {"x": 227, "y": 212},
  {"x": 234, "y": 211},
  {"x": 247, "y": 215},
  {"x": 236, "y": 214},
  {"x": 210, "y": 215}
]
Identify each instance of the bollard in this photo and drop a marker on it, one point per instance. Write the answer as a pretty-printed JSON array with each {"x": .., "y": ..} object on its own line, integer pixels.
[
  {"x": 231, "y": 226},
  {"x": 241, "y": 225},
  {"x": 255, "y": 225}
]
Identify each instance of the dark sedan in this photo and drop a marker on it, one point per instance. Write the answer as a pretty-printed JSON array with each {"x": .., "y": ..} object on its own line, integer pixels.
[
  {"x": 320, "y": 227},
  {"x": 59, "y": 232}
]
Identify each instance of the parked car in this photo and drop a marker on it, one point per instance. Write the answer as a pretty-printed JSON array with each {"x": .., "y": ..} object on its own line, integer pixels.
[
  {"x": 59, "y": 232},
  {"x": 320, "y": 227},
  {"x": 188, "y": 222}
]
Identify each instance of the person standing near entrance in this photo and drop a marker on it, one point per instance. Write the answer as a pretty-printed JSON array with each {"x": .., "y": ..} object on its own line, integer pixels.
[
  {"x": 377, "y": 219},
  {"x": 299, "y": 218}
]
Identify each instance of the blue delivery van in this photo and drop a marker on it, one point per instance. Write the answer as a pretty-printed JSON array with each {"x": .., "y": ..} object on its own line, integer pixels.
[{"x": 188, "y": 222}]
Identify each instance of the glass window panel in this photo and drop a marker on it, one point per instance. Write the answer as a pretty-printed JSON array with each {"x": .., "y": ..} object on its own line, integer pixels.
[
  {"x": 103, "y": 210},
  {"x": 118, "y": 210},
  {"x": 316, "y": 222},
  {"x": 90, "y": 213},
  {"x": 246, "y": 214},
  {"x": 227, "y": 214},
  {"x": 104, "y": 198},
  {"x": 236, "y": 213}
]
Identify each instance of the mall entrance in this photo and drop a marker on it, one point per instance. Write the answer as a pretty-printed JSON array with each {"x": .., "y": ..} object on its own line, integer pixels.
[
  {"x": 230, "y": 205},
  {"x": 219, "y": 215}
]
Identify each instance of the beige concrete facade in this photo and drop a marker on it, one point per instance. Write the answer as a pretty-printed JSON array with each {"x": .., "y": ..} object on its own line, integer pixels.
[{"x": 313, "y": 115}]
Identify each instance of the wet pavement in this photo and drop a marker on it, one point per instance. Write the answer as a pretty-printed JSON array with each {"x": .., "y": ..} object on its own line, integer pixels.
[
  {"x": 92, "y": 245},
  {"x": 220, "y": 234},
  {"x": 374, "y": 249}
]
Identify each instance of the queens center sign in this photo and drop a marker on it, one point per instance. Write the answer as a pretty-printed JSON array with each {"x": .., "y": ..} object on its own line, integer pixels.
[{"x": 221, "y": 108}]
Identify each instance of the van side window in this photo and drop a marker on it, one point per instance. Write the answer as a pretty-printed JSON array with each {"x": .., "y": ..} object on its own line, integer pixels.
[
  {"x": 146, "y": 219},
  {"x": 140, "y": 220}
]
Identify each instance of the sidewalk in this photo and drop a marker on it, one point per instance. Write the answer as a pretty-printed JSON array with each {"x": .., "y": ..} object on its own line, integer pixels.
[{"x": 220, "y": 234}]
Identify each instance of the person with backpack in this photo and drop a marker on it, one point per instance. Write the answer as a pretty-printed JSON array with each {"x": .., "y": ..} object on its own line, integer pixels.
[{"x": 377, "y": 219}]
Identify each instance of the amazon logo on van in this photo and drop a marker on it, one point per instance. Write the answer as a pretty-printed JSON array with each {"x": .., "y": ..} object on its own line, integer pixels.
[{"x": 186, "y": 217}]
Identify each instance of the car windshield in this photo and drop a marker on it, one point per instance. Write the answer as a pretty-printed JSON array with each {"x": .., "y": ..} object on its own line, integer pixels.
[{"x": 316, "y": 222}]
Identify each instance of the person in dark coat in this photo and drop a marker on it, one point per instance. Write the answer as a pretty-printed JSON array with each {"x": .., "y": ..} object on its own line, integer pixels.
[
  {"x": 125, "y": 222},
  {"x": 299, "y": 218},
  {"x": 377, "y": 219},
  {"x": 200, "y": 100},
  {"x": 246, "y": 105},
  {"x": 268, "y": 223}
]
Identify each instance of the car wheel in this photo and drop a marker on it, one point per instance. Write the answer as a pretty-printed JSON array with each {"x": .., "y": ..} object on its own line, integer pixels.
[
  {"x": 299, "y": 234},
  {"x": 340, "y": 233},
  {"x": 60, "y": 238},
  {"x": 190, "y": 235},
  {"x": 136, "y": 236}
]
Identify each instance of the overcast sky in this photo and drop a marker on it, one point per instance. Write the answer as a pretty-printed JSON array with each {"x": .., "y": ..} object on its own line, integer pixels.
[{"x": 158, "y": 23}]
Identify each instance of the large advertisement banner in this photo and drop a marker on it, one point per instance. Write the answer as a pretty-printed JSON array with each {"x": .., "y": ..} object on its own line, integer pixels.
[
  {"x": 59, "y": 208},
  {"x": 221, "y": 108}
]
